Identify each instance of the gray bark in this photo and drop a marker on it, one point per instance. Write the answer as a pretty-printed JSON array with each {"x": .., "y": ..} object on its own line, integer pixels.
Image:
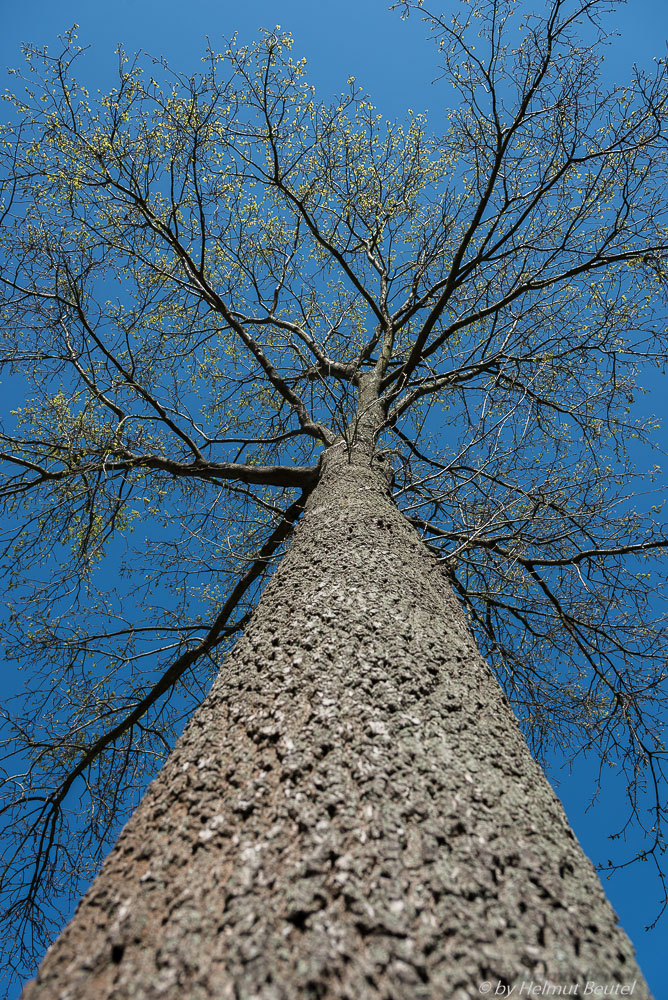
[{"x": 352, "y": 812}]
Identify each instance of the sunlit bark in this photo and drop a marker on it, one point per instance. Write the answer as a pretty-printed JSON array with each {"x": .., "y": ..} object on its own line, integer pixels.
[{"x": 353, "y": 812}]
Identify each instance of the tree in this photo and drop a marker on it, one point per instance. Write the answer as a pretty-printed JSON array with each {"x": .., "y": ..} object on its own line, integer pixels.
[{"x": 403, "y": 364}]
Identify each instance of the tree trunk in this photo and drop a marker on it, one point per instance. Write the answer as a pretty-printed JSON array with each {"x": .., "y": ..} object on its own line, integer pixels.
[{"x": 352, "y": 812}]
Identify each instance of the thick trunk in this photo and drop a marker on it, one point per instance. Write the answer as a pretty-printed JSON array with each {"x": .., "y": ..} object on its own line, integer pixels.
[{"x": 351, "y": 813}]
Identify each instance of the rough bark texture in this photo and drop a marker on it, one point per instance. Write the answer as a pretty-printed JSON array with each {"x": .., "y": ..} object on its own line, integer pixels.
[{"x": 352, "y": 813}]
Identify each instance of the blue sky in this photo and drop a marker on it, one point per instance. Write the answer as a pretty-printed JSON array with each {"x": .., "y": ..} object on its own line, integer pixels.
[{"x": 391, "y": 61}]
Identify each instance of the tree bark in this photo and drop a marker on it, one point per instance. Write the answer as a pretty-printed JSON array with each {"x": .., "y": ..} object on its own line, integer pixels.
[{"x": 352, "y": 812}]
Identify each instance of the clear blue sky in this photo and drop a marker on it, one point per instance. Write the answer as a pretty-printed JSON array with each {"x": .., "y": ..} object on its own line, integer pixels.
[{"x": 393, "y": 63}]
